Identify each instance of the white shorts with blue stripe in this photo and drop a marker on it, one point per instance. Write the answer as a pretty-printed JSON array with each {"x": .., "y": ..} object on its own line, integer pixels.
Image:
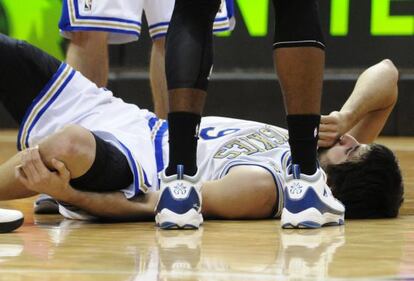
[
  {"x": 122, "y": 18},
  {"x": 69, "y": 98}
]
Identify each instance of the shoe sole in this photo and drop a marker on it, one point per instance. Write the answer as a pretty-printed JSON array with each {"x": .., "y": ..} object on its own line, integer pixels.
[
  {"x": 310, "y": 218},
  {"x": 46, "y": 207},
  {"x": 10, "y": 226},
  {"x": 167, "y": 219}
]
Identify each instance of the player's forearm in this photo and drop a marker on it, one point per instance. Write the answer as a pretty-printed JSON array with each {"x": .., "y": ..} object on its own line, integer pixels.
[
  {"x": 375, "y": 90},
  {"x": 112, "y": 205}
]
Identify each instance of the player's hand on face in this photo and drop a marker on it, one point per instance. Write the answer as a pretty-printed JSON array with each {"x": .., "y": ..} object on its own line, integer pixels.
[
  {"x": 35, "y": 176},
  {"x": 331, "y": 128}
]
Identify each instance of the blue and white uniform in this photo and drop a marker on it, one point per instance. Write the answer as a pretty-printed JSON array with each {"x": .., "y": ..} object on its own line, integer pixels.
[
  {"x": 70, "y": 98},
  {"x": 226, "y": 142},
  {"x": 122, "y": 18}
]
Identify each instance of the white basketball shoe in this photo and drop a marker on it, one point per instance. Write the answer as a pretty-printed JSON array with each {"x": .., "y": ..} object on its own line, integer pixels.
[
  {"x": 308, "y": 201},
  {"x": 179, "y": 204},
  {"x": 10, "y": 220}
]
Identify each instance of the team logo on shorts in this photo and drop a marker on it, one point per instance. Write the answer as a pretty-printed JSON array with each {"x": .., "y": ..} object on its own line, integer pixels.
[{"x": 88, "y": 6}]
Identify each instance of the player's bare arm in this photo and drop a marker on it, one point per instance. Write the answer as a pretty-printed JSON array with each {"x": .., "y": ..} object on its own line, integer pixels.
[
  {"x": 367, "y": 109},
  {"x": 246, "y": 192},
  {"x": 36, "y": 177}
]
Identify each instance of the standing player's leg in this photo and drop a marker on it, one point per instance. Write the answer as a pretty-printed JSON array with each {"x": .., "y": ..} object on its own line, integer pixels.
[
  {"x": 157, "y": 78},
  {"x": 189, "y": 57},
  {"x": 88, "y": 53},
  {"x": 91, "y": 26},
  {"x": 299, "y": 61},
  {"x": 158, "y": 14}
]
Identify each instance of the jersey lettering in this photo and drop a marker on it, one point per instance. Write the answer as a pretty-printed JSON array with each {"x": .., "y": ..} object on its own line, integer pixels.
[
  {"x": 264, "y": 139},
  {"x": 235, "y": 148},
  {"x": 278, "y": 136}
]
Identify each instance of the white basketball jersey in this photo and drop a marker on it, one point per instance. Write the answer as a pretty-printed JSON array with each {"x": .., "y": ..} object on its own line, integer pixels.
[{"x": 226, "y": 142}]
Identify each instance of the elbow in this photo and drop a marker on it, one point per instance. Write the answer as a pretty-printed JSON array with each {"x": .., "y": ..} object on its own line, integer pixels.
[
  {"x": 392, "y": 70},
  {"x": 392, "y": 74}
]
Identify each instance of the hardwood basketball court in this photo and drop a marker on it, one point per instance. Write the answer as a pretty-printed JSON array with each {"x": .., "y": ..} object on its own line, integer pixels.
[{"x": 47, "y": 247}]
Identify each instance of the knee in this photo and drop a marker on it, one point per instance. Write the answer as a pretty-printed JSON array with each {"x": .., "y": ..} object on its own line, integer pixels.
[{"x": 70, "y": 143}]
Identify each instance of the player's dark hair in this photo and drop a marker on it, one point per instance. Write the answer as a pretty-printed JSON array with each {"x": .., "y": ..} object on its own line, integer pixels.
[{"x": 371, "y": 187}]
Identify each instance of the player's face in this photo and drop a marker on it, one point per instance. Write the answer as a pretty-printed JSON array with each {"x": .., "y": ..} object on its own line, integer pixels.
[{"x": 346, "y": 149}]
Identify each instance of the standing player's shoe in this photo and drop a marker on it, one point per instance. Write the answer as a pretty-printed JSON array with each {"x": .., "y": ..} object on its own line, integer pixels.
[
  {"x": 44, "y": 204},
  {"x": 179, "y": 205},
  {"x": 309, "y": 202},
  {"x": 10, "y": 220}
]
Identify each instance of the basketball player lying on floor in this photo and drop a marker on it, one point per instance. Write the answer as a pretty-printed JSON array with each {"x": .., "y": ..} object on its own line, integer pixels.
[{"x": 88, "y": 149}]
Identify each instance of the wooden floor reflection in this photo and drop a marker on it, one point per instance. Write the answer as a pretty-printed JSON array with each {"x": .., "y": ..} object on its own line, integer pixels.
[{"x": 50, "y": 248}]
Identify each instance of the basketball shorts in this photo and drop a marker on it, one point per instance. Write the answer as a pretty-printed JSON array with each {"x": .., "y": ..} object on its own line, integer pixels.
[
  {"x": 122, "y": 19},
  {"x": 69, "y": 98}
]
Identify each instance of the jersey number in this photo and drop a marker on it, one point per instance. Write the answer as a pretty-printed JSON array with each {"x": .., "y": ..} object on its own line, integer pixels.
[{"x": 210, "y": 133}]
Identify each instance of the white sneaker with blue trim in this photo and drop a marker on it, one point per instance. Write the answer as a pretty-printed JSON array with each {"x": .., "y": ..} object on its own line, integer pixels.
[
  {"x": 179, "y": 205},
  {"x": 308, "y": 201},
  {"x": 10, "y": 220}
]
